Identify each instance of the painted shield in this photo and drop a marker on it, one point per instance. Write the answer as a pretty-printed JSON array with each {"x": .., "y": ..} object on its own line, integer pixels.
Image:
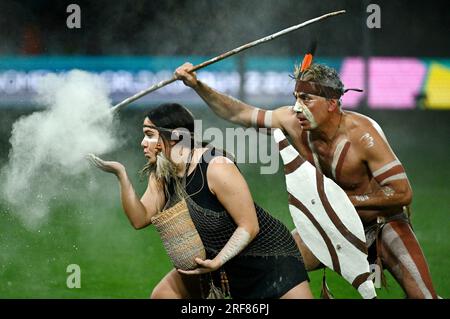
[{"x": 325, "y": 219}]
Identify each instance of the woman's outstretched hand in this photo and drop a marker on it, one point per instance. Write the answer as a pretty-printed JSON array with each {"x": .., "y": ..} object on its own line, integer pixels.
[{"x": 108, "y": 166}]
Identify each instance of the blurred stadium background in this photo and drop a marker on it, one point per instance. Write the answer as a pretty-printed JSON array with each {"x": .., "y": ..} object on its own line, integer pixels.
[{"x": 404, "y": 68}]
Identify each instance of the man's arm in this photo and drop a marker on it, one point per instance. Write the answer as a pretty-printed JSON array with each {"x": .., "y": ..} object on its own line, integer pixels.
[
  {"x": 395, "y": 189},
  {"x": 227, "y": 107}
]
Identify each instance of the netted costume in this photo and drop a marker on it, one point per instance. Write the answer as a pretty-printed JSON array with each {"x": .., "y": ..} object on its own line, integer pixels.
[{"x": 268, "y": 267}]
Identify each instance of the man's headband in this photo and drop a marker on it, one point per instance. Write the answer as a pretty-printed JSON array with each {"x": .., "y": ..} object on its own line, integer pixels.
[{"x": 315, "y": 88}]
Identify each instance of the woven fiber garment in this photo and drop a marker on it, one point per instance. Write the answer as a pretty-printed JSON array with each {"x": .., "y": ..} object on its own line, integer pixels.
[{"x": 179, "y": 236}]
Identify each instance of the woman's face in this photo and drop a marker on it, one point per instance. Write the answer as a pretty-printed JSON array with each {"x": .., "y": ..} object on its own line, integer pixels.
[{"x": 151, "y": 143}]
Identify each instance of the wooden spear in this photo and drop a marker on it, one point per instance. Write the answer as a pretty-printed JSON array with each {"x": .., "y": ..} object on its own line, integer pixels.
[{"x": 225, "y": 55}]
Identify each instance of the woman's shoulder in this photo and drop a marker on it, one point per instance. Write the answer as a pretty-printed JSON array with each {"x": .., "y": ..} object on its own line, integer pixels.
[
  {"x": 220, "y": 160},
  {"x": 221, "y": 167},
  {"x": 203, "y": 157},
  {"x": 213, "y": 155}
]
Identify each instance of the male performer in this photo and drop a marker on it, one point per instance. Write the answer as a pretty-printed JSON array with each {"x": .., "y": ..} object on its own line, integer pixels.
[{"x": 349, "y": 148}]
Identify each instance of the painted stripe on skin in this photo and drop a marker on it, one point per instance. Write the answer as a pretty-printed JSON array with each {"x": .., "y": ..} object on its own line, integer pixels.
[
  {"x": 393, "y": 234},
  {"x": 341, "y": 161},
  {"x": 315, "y": 157},
  {"x": 260, "y": 118},
  {"x": 337, "y": 154},
  {"x": 355, "y": 241},
  {"x": 404, "y": 231},
  {"x": 393, "y": 178},
  {"x": 334, "y": 257},
  {"x": 386, "y": 167},
  {"x": 151, "y": 139},
  {"x": 268, "y": 119},
  {"x": 306, "y": 144},
  {"x": 378, "y": 128},
  {"x": 397, "y": 169}
]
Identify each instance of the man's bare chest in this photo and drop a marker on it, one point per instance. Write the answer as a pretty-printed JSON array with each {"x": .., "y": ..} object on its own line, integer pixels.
[{"x": 338, "y": 161}]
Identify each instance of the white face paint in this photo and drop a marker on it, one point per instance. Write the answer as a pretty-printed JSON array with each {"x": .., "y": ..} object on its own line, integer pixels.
[
  {"x": 298, "y": 107},
  {"x": 302, "y": 108},
  {"x": 149, "y": 139},
  {"x": 148, "y": 144}
]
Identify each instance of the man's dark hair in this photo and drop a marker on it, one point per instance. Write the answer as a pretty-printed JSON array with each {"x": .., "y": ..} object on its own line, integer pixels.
[{"x": 321, "y": 74}]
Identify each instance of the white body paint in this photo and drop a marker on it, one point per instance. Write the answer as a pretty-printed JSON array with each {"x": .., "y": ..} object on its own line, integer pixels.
[
  {"x": 394, "y": 178},
  {"x": 314, "y": 154},
  {"x": 336, "y": 155},
  {"x": 237, "y": 242},
  {"x": 388, "y": 191},
  {"x": 361, "y": 198},
  {"x": 302, "y": 184},
  {"x": 267, "y": 118},
  {"x": 387, "y": 167},
  {"x": 393, "y": 240},
  {"x": 378, "y": 128},
  {"x": 368, "y": 140},
  {"x": 149, "y": 139},
  {"x": 255, "y": 116}
]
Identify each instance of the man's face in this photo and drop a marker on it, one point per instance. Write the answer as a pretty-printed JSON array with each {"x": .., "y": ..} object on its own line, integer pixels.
[
  {"x": 150, "y": 141},
  {"x": 312, "y": 110}
]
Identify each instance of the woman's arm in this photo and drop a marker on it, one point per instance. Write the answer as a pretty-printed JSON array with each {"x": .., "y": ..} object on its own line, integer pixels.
[
  {"x": 231, "y": 189},
  {"x": 138, "y": 211}
]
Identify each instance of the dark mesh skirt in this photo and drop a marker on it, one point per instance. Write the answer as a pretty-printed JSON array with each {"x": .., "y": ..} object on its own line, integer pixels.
[{"x": 256, "y": 277}]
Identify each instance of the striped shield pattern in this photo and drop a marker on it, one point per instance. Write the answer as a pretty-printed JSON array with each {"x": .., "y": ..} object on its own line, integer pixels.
[{"x": 325, "y": 219}]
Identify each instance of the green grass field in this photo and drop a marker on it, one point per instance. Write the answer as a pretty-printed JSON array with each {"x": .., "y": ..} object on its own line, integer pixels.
[{"x": 116, "y": 261}]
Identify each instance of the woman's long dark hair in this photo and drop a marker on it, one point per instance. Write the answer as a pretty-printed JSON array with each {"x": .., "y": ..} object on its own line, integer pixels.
[
  {"x": 171, "y": 116},
  {"x": 168, "y": 117}
]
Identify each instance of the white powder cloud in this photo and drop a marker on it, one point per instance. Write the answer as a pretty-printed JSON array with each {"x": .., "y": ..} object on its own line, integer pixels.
[{"x": 48, "y": 148}]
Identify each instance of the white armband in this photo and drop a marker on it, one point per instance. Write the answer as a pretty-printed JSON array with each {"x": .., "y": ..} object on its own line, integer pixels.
[
  {"x": 389, "y": 172},
  {"x": 237, "y": 242},
  {"x": 261, "y": 118}
]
